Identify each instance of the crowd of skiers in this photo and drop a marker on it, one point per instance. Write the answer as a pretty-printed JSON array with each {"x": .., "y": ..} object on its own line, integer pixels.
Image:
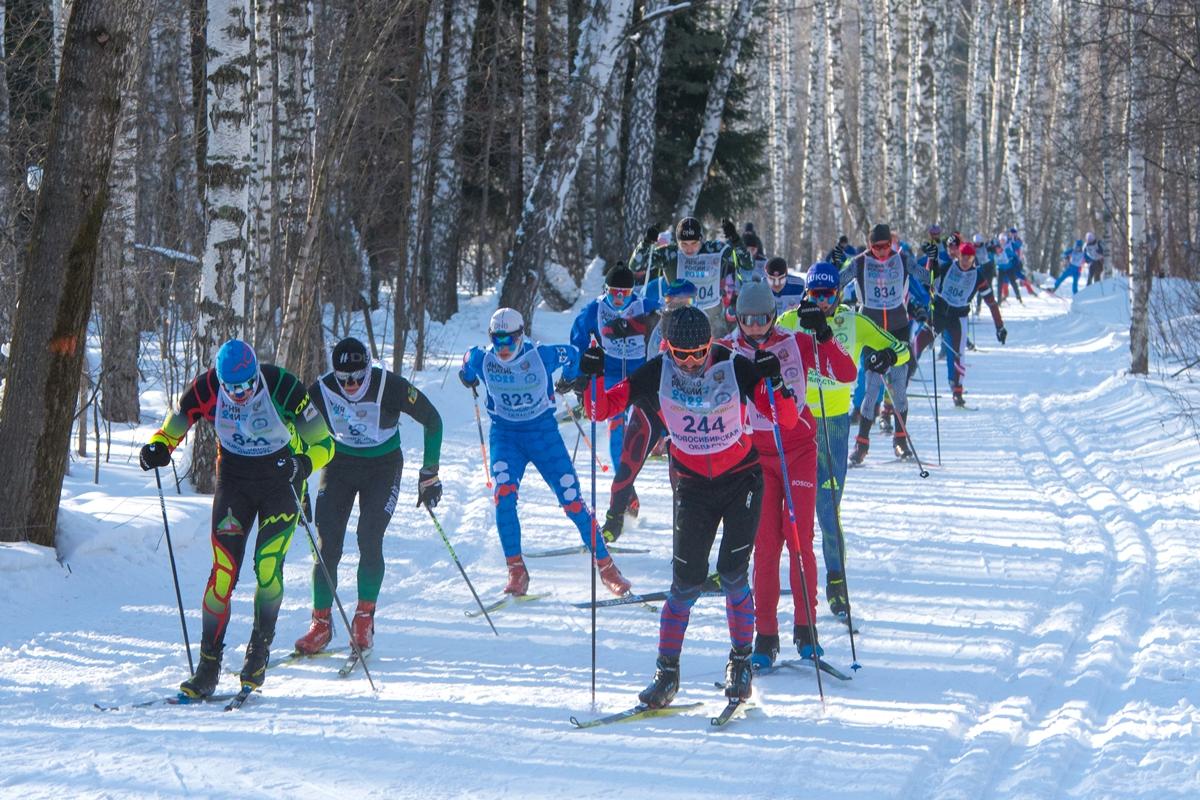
[{"x": 755, "y": 375}]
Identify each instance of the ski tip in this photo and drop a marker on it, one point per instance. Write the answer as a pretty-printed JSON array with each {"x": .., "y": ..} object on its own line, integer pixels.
[{"x": 575, "y": 721}]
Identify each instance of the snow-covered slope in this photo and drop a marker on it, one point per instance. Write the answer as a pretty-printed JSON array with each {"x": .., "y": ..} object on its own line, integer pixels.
[{"x": 1029, "y": 622}]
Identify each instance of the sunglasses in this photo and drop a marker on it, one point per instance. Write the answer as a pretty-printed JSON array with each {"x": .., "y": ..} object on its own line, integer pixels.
[
  {"x": 615, "y": 292},
  {"x": 755, "y": 320},
  {"x": 879, "y": 247},
  {"x": 240, "y": 390},
  {"x": 355, "y": 377},
  {"x": 822, "y": 295},
  {"x": 693, "y": 355},
  {"x": 505, "y": 339}
]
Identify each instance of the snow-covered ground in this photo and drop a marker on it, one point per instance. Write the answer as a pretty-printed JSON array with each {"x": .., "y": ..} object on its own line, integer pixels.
[{"x": 1029, "y": 622}]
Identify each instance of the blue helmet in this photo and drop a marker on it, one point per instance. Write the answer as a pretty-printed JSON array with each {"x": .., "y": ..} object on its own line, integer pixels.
[
  {"x": 236, "y": 362},
  {"x": 1079, "y": 244},
  {"x": 822, "y": 275}
]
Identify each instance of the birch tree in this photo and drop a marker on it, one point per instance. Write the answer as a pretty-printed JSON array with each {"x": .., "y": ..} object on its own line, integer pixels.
[
  {"x": 923, "y": 126},
  {"x": 814, "y": 129},
  {"x": 530, "y": 107},
  {"x": 976, "y": 185},
  {"x": 639, "y": 161},
  {"x": 895, "y": 49},
  {"x": 542, "y": 212},
  {"x": 228, "y": 166},
  {"x": 59, "y": 265},
  {"x": 714, "y": 109},
  {"x": 1137, "y": 232},
  {"x": 842, "y": 173},
  {"x": 262, "y": 251},
  {"x": 868, "y": 130},
  {"x": 1018, "y": 110}
]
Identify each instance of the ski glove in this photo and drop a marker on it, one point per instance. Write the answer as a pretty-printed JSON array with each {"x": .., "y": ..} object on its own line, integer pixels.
[
  {"x": 651, "y": 236},
  {"x": 839, "y": 255},
  {"x": 731, "y": 234},
  {"x": 766, "y": 364},
  {"x": 621, "y": 328},
  {"x": 918, "y": 312},
  {"x": 1002, "y": 334},
  {"x": 813, "y": 319},
  {"x": 880, "y": 361},
  {"x": 154, "y": 455},
  {"x": 470, "y": 384},
  {"x": 930, "y": 249},
  {"x": 592, "y": 361},
  {"x": 429, "y": 487},
  {"x": 298, "y": 466}
]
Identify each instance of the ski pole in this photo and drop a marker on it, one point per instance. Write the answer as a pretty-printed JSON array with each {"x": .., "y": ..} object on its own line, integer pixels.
[
  {"x": 937, "y": 421},
  {"x": 312, "y": 540},
  {"x": 162, "y": 502},
  {"x": 835, "y": 491},
  {"x": 904, "y": 429},
  {"x": 487, "y": 474},
  {"x": 596, "y": 459},
  {"x": 787, "y": 494},
  {"x": 457, "y": 563},
  {"x": 594, "y": 524}
]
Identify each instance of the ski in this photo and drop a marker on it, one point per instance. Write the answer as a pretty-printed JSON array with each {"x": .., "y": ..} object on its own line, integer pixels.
[
  {"x": 826, "y": 667},
  {"x": 640, "y": 711},
  {"x": 173, "y": 700},
  {"x": 351, "y": 663},
  {"x": 240, "y": 698},
  {"x": 503, "y": 602},
  {"x": 652, "y": 597},
  {"x": 731, "y": 708},
  {"x": 577, "y": 549},
  {"x": 295, "y": 656}
]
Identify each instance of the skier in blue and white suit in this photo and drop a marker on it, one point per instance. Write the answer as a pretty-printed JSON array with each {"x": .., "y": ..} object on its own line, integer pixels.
[
  {"x": 619, "y": 321},
  {"x": 520, "y": 401}
]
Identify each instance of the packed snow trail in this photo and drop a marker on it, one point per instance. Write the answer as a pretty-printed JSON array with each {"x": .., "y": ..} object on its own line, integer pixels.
[{"x": 1028, "y": 614}]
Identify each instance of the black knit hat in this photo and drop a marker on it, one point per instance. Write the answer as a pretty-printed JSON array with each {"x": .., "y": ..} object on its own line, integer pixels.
[
  {"x": 777, "y": 266},
  {"x": 881, "y": 233},
  {"x": 688, "y": 328},
  {"x": 619, "y": 278},
  {"x": 350, "y": 355},
  {"x": 689, "y": 229}
]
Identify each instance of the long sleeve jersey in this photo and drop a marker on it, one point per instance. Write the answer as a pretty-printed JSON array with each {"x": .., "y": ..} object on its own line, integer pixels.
[
  {"x": 280, "y": 419},
  {"x": 732, "y": 449},
  {"x": 621, "y": 332},
  {"x": 369, "y": 425},
  {"x": 520, "y": 391}
]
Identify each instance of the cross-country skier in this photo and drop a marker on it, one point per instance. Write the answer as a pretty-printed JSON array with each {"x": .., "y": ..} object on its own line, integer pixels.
[
  {"x": 813, "y": 350},
  {"x": 787, "y": 289},
  {"x": 362, "y": 405},
  {"x": 860, "y": 337},
  {"x": 701, "y": 391},
  {"x": 520, "y": 401},
  {"x": 270, "y": 438},
  {"x": 643, "y": 432},
  {"x": 1094, "y": 252},
  {"x": 1073, "y": 260},
  {"x": 620, "y": 321},
  {"x": 706, "y": 263},
  {"x": 882, "y": 273}
]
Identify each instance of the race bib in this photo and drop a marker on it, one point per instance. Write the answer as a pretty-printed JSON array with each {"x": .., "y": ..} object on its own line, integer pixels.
[
  {"x": 957, "y": 284},
  {"x": 519, "y": 389},
  {"x": 704, "y": 270},
  {"x": 702, "y": 412},
  {"x": 255, "y": 429},
  {"x": 883, "y": 283}
]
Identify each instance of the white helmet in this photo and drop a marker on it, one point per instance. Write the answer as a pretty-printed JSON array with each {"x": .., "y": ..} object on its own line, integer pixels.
[
  {"x": 506, "y": 320},
  {"x": 1003, "y": 238}
]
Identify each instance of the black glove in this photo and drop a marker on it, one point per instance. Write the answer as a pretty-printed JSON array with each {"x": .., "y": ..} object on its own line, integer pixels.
[
  {"x": 293, "y": 467},
  {"x": 731, "y": 234},
  {"x": 592, "y": 361},
  {"x": 154, "y": 455},
  {"x": 918, "y": 312},
  {"x": 564, "y": 386},
  {"x": 651, "y": 236},
  {"x": 470, "y": 384},
  {"x": 839, "y": 255},
  {"x": 930, "y": 250},
  {"x": 813, "y": 319},
  {"x": 766, "y": 364},
  {"x": 620, "y": 328},
  {"x": 429, "y": 487},
  {"x": 1002, "y": 334},
  {"x": 880, "y": 361}
]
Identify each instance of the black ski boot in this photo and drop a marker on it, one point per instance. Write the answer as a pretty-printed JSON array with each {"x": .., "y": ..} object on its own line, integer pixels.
[
  {"x": 806, "y": 641},
  {"x": 900, "y": 438},
  {"x": 885, "y": 418},
  {"x": 861, "y": 445},
  {"x": 207, "y": 676},
  {"x": 835, "y": 594},
  {"x": 614, "y": 524},
  {"x": 738, "y": 674},
  {"x": 662, "y": 689},
  {"x": 766, "y": 650},
  {"x": 258, "y": 655},
  {"x": 959, "y": 402}
]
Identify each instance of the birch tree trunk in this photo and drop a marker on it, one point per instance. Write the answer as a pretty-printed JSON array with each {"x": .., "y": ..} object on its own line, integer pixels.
[
  {"x": 442, "y": 274},
  {"x": 714, "y": 109},
  {"x": 814, "y": 131},
  {"x": 870, "y": 135},
  {"x": 913, "y": 114},
  {"x": 530, "y": 107},
  {"x": 639, "y": 159},
  {"x": 228, "y": 168},
  {"x": 842, "y": 174},
  {"x": 779, "y": 81},
  {"x": 1069, "y": 123},
  {"x": 924, "y": 184},
  {"x": 1107, "y": 196},
  {"x": 1137, "y": 236},
  {"x": 976, "y": 185},
  {"x": 947, "y": 166},
  {"x": 1021, "y": 86},
  {"x": 59, "y": 266},
  {"x": 118, "y": 267},
  {"x": 542, "y": 212},
  {"x": 895, "y": 50},
  {"x": 262, "y": 252},
  {"x": 608, "y": 241},
  {"x": 997, "y": 117}
]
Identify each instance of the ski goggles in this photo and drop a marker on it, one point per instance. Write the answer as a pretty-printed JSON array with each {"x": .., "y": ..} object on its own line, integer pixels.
[
  {"x": 505, "y": 339},
  {"x": 823, "y": 295},
  {"x": 691, "y": 356},
  {"x": 617, "y": 293},
  {"x": 881, "y": 247},
  {"x": 755, "y": 320},
  {"x": 356, "y": 377},
  {"x": 241, "y": 391}
]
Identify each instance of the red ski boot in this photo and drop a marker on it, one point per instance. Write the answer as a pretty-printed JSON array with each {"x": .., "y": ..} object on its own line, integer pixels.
[
  {"x": 612, "y": 578},
  {"x": 320, "y": 633},
  {"x": 518, "y": 577},
  {"x": 362, "y": 627}
]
